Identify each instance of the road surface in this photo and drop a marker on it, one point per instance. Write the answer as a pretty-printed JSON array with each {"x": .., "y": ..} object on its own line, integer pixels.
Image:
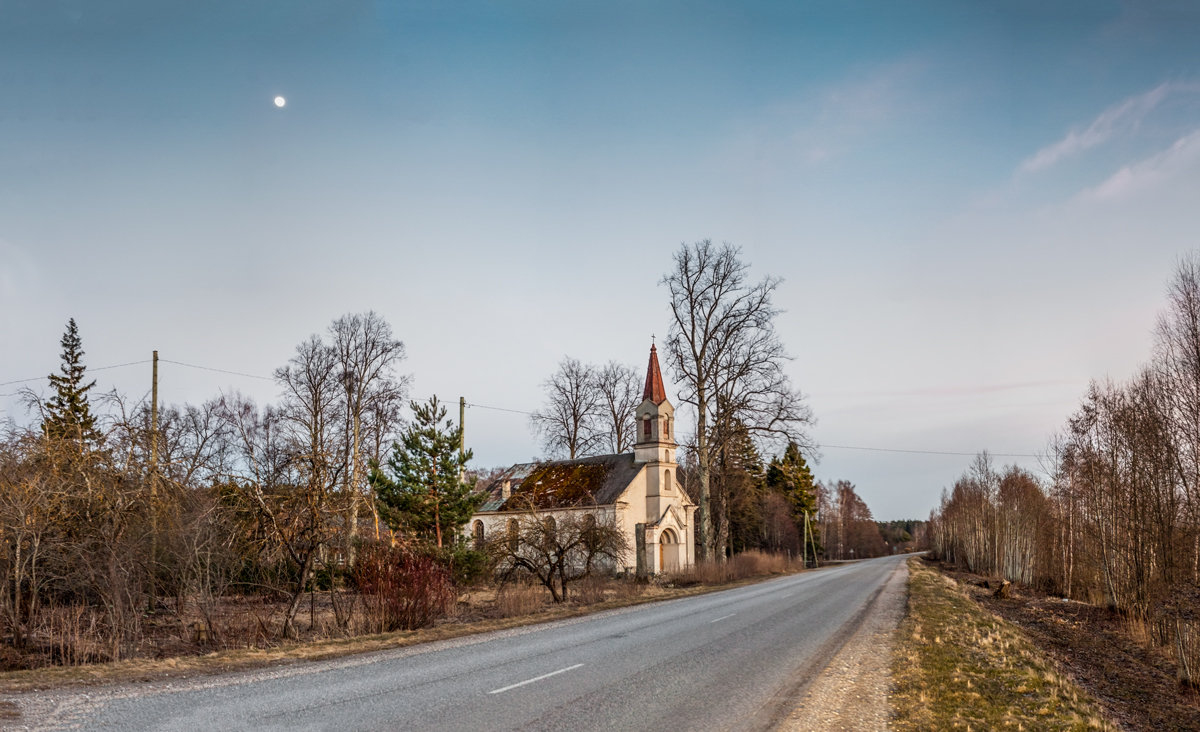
[{"x": 736, "y": 659}]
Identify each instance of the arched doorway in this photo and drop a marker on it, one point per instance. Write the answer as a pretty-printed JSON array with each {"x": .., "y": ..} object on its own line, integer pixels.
[{"x": 668, "y": 551}]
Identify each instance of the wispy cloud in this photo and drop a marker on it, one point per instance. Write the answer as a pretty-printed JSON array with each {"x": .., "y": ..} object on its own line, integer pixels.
[
  {"x": 1118, "y": 119},
  {"x": 858, "y": 108},
  {"x": 818, "y": 125},
  {"x": 1182, "y": 156}
]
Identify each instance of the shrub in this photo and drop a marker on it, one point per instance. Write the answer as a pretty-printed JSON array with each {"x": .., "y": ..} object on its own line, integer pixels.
[{"x": 402, "y": 589}]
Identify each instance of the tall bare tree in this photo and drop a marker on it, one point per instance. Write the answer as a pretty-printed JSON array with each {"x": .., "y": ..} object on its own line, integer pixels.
[
  {"x": 723, "y": 348},
  {"x": 568, "y": 421},
  {"x": 368, "y": 355},
  {"x": 620, "y": 393}
]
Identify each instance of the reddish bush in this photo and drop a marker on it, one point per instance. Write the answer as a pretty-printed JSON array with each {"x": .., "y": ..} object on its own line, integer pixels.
[{"x": 402, "y": 589}]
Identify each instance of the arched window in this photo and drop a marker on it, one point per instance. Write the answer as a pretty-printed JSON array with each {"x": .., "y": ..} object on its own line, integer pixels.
[
  {"x": 666, "y": 480},
  {"x": 646, "y": 427},
  {"x": 477, "y": 532},
  {"x": 514, "y": 534},
  {"x": 666, "y": 428},
  {"x": 551, "y": 530}
]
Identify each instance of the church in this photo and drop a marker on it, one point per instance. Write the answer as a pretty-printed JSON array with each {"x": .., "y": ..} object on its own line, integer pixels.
[{"x": 639, "y": 491}]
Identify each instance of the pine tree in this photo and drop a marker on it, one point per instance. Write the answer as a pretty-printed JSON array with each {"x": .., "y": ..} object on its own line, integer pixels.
[
  {"x": 68, "y": 415},
  {"x": 791, "y": 477},
  {"x": 425, "y": 493}
]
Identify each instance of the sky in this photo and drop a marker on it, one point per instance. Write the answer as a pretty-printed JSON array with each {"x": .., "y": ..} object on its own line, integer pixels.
[{"x": 974, "y": 207}]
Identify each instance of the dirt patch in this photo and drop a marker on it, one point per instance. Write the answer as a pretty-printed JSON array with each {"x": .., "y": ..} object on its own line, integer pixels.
[
  {"x": 1133, "y": 683},
  {"x": 9, "y": 712}
]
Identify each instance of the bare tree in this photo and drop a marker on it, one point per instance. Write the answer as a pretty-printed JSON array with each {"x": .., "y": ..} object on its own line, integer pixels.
[
  {"x": 287, "y": 485},
  {"x": 368, "y": 355},
  {"x": 620, "y": 394},
  {"x": 724, "y": 350},
  {"x": 568, "y": 422},
  {"x": 558, "y": 549}
]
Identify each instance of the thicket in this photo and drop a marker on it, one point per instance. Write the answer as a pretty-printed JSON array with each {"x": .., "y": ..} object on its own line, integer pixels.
[
  {"x": 220, "y": 522},
  {"x": 1117, "y": 521}
]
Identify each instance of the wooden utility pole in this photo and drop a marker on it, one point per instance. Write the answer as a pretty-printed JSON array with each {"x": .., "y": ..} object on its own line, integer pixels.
[
  {"x": 462, "y": 435},
  {"x": 153, "y": 479},
  {"x": 153, "y": 423},
  {"x": 804, "y": 546}
]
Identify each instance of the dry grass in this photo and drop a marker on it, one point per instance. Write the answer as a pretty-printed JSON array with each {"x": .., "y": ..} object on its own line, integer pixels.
[
  {"x": 518, "y": 599},
  {"x": 957, "y": 666},
  {"x": 741, "y": 566},
  {"x": 615, "y": 594}
]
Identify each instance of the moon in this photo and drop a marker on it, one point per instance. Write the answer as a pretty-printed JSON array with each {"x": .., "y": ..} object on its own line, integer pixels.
[{"x": 280, "y": 101}]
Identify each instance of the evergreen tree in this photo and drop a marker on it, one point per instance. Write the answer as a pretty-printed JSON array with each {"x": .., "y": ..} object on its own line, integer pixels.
[
  {"x": 68, "y": 416},
  {"x": 791, "y": 477},
  {"x": 424, "y": 492},
  {"x": 738, "y": 491}
]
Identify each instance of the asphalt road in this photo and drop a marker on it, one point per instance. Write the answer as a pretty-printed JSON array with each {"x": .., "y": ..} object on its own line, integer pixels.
[{"x": 737, "y": 659}]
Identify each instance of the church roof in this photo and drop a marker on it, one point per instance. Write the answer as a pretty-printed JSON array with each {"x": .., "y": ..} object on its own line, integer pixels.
[
  {"x": 654, "y": 383},
  {"x": 590, "y": 481}
]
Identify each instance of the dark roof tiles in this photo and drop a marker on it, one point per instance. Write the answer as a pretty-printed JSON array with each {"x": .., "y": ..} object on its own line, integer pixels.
[{"x": 590, "y": 481}]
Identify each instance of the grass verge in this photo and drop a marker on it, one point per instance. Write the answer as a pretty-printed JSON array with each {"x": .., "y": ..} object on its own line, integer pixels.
[{"x": 958, "y": 666}]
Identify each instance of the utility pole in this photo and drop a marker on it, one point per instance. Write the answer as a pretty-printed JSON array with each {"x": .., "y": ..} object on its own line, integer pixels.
[
  {"x": 153, "y": 481},
  {"x": 804, "y": 546},
  {"x": 462, "y": 436}
]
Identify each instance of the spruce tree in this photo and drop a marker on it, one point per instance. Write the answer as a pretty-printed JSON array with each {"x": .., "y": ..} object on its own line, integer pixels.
[
  {"x": 424, "y": 492},
  {"x": 790, "y": 476},
  {"x": 68, "y": 415}
]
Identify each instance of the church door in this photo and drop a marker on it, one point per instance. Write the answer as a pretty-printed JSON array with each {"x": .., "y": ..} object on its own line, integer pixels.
[{"x": 668, "y": 551}]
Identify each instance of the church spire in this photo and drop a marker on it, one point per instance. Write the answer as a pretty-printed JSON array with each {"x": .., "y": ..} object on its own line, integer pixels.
[{"x": 654, "y": 384}]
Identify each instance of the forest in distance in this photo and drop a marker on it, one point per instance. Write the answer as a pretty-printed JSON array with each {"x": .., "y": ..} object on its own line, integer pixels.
[{"x": 132, "y": 529}]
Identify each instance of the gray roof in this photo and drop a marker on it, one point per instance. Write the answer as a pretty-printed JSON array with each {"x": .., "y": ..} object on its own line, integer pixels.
[{"x": 590, "y": 481}]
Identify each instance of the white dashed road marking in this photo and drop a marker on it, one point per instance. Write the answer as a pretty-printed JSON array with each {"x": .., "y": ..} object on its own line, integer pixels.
[{"x": 510, "y": 687}]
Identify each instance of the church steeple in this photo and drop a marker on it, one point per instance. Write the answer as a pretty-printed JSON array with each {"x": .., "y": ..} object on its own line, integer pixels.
[
  {"x": 655, "y": 419},
  {"x": 654, "y": 385}
]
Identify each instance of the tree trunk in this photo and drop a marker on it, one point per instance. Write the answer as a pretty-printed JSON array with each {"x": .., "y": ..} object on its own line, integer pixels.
[
  {"x": 289, "y": 626},
  {"x": 703, "y": 519}
]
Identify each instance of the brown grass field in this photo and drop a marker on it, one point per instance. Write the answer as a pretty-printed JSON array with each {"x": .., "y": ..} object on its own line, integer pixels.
[{"x": 958, "y": 666}]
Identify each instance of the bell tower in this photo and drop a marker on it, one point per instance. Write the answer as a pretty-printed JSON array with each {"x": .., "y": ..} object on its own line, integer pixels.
[
  {"x": 655, "y": 446},
  {"x": 655, "y": 419}
]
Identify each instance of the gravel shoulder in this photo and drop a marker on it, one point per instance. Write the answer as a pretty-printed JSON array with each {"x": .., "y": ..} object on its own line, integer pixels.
[{"x": 851, "y": 694}]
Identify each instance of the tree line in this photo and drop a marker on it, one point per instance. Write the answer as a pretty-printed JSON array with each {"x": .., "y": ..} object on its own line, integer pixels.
[{"x": 1116, "y": 519}]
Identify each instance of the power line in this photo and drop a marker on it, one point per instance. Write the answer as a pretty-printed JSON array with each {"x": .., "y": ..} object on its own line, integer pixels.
[
  {"x": 835, "y": 447},
  {"x": 499, "y": 409},
  {"x": 928, "y": 452},
  {"x": 219, "y": 371},
  {"x": 98, "y": 368},
  {"x": 526, "y": 413}
]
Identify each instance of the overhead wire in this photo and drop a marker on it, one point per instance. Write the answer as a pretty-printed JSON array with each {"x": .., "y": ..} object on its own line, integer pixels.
[
  {"x": 219, "y": 371},
  {"x": 527, "y": 413},
  {"x": 98, "y": 368}
]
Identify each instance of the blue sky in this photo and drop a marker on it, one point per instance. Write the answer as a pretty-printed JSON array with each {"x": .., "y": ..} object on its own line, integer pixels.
[{"x": 974, "y": 209}]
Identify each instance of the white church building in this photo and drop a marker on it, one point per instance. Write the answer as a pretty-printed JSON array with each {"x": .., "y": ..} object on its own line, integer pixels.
[{"x": 639, "y": 491}]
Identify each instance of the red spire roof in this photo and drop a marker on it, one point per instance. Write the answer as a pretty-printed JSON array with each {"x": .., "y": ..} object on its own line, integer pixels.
[{"x": 654, "y": 386}]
